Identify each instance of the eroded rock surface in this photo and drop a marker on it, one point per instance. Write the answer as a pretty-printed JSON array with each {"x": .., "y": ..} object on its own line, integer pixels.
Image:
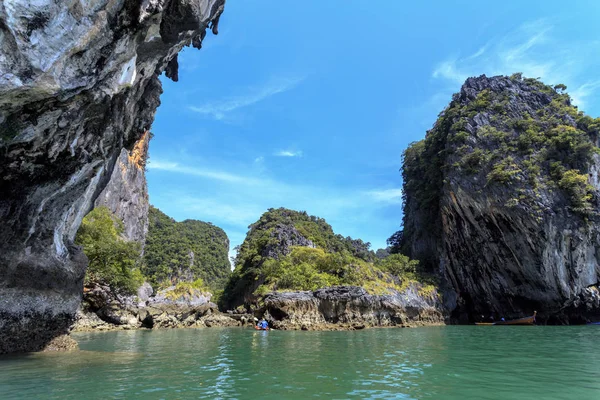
[
  {"x": 488, "y": 209},
  {"x": 126, "y": 194},
  {"x": 103, "y": 309},
  {"x": 78, "y": 86},
  {"x": 351, "y": 307}
]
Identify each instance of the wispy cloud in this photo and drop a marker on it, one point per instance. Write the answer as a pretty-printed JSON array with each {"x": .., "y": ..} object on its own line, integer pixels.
[
  {"x": 288, "y": 153},
  {"x": 580, "y": 94},
  {"x": 235, "y": 201},
  {"x": 202, "y": 172},
  {"x": 221, "y": 108},
  {"x": 448, "y": 70},
  {"x": 392, "y": 196},
  {"x": 533, "y": 49},
  {"x": 213, "y": 209}
]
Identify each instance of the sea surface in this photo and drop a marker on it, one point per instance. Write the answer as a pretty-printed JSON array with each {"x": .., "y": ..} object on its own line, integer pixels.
[{"x": 452, "y": 362}]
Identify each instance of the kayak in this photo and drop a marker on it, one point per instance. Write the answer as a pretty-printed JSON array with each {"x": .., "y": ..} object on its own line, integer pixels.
[{"x": 261, "y": 329}]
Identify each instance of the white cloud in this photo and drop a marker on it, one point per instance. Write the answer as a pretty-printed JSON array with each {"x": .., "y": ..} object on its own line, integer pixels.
[
  {"x": 583, "y": 91},
  {"x": 201, "y": 172},
  {"x": 238, "y": 214},
  {"x": 288, "y": 153},
  {"x": 448, "y": 70},
  {"x": 479, "y": 52},
  {"x": 393, "y": 196},
  {"x": 536, "y": 50},
  {"x": 220, "y": 109},
  {"x": 232, "y": 203},
  {"x": 259, "y": 159}
]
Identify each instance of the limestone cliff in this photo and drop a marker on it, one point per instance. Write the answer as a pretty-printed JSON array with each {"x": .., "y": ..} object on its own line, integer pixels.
[
  {"x": 501, "y": 199},
  {"x": 78, "y": 84},
  {"x": 351, "y": 307},
  {"x": 295, "y": 270},
  {"x": 273, "y": 246},
  {"x": 126, "y": 194}
]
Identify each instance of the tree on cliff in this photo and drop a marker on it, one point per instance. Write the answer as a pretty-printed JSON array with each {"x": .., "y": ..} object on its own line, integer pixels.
[
  {"x": 394, "y": 242},
  {"x": 185, "y": 251},
  {"x": 112, "y": 260}
]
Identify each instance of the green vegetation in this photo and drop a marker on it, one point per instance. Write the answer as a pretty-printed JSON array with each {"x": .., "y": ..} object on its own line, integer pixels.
[
  {"x": 395, "y": 242},
  {"x": 398, "y": 264},
  {"x": 277, "y": 255},
  {"x": 517, "y": 148},
  {"x": 185, "y": 252},
  {"x": 529, "y": 144},
  {"x": 186, "y": 289},
  {"x": 577, "y": 188},
  {"x": 112, "y": 260},
  {"x": 504, "y": 171},
  {"x": 191, "y": 255}
]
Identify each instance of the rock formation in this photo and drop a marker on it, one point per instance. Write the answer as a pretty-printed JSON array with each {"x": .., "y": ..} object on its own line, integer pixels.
[
  {"x": 78, "y": 84},
  {"x": 272, "y": 238},
  {"x": 502, "y": 200},
  {"x": 295, "y": 270},
  {"x": 103, "y": 309},
  {"x": 351, "y": 307},
  {"x": 185, "y": 251},
  {"x": 126, "y": 194}
]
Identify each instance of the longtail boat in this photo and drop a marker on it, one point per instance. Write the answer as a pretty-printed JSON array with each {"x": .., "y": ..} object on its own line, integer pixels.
[{"x": 521, "y": 321}]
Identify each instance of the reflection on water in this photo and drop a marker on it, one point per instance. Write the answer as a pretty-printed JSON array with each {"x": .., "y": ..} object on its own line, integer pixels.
[{"x": 456, "y": 362}]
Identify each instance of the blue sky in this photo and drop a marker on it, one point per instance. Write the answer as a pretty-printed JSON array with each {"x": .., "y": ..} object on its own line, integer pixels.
[{"x": 309, "y": 105}]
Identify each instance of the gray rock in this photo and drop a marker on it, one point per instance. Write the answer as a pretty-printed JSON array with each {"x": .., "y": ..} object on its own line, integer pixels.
[
  {"x": 106, "y": 310},
  {"x": 144, "y": 292},
  {"x": 286, "y": 236},
  {"x": 351, "y": 307},
  {"x": 78, "y": 86},
  {"x": 502, "y": 258},
  {"x": 218, "y": 320},
  {"x": 126, "y": 193}
]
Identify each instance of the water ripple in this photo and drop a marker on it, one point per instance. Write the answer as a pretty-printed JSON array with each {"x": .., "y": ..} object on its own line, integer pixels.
[{"x": 426, "y": 363}]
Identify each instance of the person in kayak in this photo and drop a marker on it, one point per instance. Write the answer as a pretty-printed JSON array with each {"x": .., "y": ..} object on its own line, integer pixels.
[{"x": 263, "y": 324}]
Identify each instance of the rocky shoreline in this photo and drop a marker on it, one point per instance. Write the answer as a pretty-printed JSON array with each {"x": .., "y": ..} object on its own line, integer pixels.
[
  {"x": 333, "y": 308},
  {"x": 351, "y": 308},
  {"x": 104, "y": 310}
]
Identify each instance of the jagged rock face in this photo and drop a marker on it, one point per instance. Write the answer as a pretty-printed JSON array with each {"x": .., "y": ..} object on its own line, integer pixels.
[
  {"x": 285, "y": 237},
  {"x": 495, "y": 213},
  {"x": 78, "y": 85},
  {"x": 103, "y": 309},
  {"x": 287, "y": 249},
  {"x": 126, "y": 194},
  {"x": 351, "y": 307}
]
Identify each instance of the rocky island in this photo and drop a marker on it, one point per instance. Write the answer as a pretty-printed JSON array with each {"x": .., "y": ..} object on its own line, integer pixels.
[
  {"x": 502, "y": 200},
  {"x": 295, "y": 270}
]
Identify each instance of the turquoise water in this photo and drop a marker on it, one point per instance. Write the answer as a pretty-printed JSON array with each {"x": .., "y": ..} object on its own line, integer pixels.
[{"x": 454, "y": 362}]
